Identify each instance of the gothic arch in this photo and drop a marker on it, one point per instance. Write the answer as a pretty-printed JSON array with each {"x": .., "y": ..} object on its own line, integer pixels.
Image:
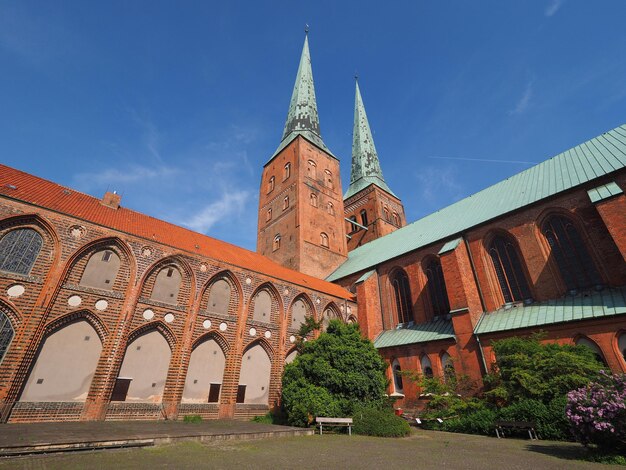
[
  {"x": 41, "y": 226},
  {"x": 155, "y": 325},
  {"x": 127, "y": 259},
  {"x": 12, "y": 312},
  {"x": 506, "y": 268},
  {"x": 72, "y": 317},
  {"x": 236, "y": 290},
  {"x": 267, "y": 347},
  {"x": 401, "y": 294},
  {"x": 334, "y": 310},
  {"x": 591, "y": 267},
  {"x": 277, "y": 306},
  {"x": 619, "y": 344},
  {"x": 212, "y": 335},
  {"x": 435, "y": 285},
  {"x": 188, "y": 278},
  {"x": 309, "y": 309}
]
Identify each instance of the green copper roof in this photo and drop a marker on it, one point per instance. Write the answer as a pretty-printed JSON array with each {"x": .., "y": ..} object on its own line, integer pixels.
[
  {"x": 604, "y": 192},
  {"x": 365, "y": 165},
  {"x": 422, "y": 333},
  {"x": 595, "y": 158},
  {"x": 583, "y": 306},
  {"x": 302, "y": 118}
]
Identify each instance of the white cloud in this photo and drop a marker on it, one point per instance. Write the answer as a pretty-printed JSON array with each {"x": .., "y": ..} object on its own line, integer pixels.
[
  {"x": 231, "y": 202},
  {"x": 439, "y": 184},
  {"x": 553, "y": 7},
  {"x": 524, "y": 102},
  {"x": 119, "y": 176}
]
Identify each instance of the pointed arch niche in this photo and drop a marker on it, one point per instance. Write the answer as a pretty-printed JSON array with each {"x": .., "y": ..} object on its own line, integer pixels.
[
  {"x": 144, "y": 369},
  {"x": 254, "y": 378},
  {"x": 205, "y": 373},
  {"x": 300, "y": 309},
  {"x": 65, "y": 365}
]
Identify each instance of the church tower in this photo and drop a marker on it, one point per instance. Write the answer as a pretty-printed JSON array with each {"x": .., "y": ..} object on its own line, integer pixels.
[
  {"x": 301, "y": 216},
  {"x": 373, "y": 209}
]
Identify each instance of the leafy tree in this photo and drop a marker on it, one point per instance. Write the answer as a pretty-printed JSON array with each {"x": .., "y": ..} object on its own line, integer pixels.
[
  {"x": 332, "y": 375},
  {"x": 528, "y": 369}
]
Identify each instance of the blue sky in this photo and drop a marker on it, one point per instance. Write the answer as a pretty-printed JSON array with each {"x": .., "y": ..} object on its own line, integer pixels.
[{"x": 177, "y": 105}]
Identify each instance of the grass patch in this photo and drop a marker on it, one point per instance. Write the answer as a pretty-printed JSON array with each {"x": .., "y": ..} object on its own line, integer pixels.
[{"x": 193, "y": 419}]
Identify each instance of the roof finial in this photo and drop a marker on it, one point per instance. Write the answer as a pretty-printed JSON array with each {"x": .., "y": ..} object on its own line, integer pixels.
[
  {"x": 306, "y": 29},
  {"x": 356, "y": 75}
]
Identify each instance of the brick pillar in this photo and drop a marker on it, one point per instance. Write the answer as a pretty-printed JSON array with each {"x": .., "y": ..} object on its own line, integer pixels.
[
  {"x": 465, "y": 307},
  {"x": 613, "y": 213},
  {"x": 232, "y": 367},
  {"x": 369, "y": 307}
]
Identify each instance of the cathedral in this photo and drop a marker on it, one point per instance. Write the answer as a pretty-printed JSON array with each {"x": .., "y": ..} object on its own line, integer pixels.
[{"x": 109, "y": 314}]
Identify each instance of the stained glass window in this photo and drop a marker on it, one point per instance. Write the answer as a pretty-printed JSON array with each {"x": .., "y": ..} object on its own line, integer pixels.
[
  {"x": 509, "y": 270},
  {"x": 437, "y": 288},
  {"x": 6, "y": 334},
  {"x": 19, "y": 249}
]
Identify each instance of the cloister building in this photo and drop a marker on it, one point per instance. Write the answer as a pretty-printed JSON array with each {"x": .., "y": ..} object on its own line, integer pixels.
[{"x": 107, "y": 313}]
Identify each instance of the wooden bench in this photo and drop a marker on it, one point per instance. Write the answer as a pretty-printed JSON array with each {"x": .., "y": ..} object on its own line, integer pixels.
[
  {"x": 515, "y": 425},
  {"x": 321, "y": 421}
]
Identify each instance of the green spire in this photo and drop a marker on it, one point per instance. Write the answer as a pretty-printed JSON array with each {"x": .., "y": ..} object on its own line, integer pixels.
[
  {"x": 302, "y": 118},
  {"x": 365, "y": 165}
]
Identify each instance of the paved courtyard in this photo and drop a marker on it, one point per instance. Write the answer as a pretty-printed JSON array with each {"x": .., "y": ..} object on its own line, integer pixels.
[{"x": 423, "y": 450}]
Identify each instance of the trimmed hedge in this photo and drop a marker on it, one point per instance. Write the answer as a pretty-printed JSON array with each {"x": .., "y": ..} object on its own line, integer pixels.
[{"x": 379, "y": 422}]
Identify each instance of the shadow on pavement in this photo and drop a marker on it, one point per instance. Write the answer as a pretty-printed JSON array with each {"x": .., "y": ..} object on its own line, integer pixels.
[{"x": 566, "y": 450}]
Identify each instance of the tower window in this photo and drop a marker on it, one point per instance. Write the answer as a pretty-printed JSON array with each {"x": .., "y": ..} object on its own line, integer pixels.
[
  {"x": 286, "y": 202},
  {"x": 509, "y": 270},
  {"x": 324, "y": 240},
  {"x": 570, "y": 252},
  {"x": 286, "y": 171},
  {"x": 396, "y": 218},
  {"x": 386, "y": 213},
  {"x": 312, "y": 169},
  {"x": 270, "y": 184},
  {"x": 352, "y": 226},
  {"x": 364, "y": 218},
  {"x": 329, "y": 179},
  {"x": 330, "y": 208},
  {"x": 276, "y": 244},
  {"x": 268, "y": 215},
  {"x": 313, "y": 200}
]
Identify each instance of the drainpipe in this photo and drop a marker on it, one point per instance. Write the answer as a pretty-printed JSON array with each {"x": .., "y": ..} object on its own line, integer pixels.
[{"x": 482, "y": 304}]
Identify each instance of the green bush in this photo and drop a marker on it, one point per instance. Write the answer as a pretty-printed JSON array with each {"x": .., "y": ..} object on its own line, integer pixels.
[
  {"x": 332, "y": 374},
  {"x": 192, "y": 419},
  {"x": 277, "y": 417},
  {"x": 381, "y": 422},
  {"x": 477, "y": 422},
  {"x": 550, "y": 419}
]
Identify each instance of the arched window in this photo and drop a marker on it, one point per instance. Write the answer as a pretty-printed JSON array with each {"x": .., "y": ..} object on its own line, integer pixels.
[
  {"x": 270, "y": 184},
  {"x": 329, "y": 179},
  {"x": 395, "y": 218},
  {"x": 427, "y": 368},
  {"x": 324, "y": 240},
  {"x": 298, "y": 314},
  {"x": 6, "y": 334},
  {"x": 268, "y": 215},
  {"x": 167, "y": 285},
  {"x": 286, "y": 203},
  {"x": 402, "y": 293},
  {"x": 313, "y": 199},
  {"x": 572, "y": 257},
  {"x": 330, "y": 208},
  {"x": 597, "y": 352},
  {"x": 352, "y": 227},
  {"x": 396, "y": 370},
  {"x": 364, "y": 218},
  {"x": 101, "y": 270},
  {"x": 386, "y": 213},
  {"x": 19, "y": 249},
  {"x": 509, "y": 270},
  {"x": 447, "y": 366},
  {"x": 437, "y": 288},
  {"x": 286, "y": 171},
  {"x": 312, "y": 169},
  {"x": 276, "y": 244}
]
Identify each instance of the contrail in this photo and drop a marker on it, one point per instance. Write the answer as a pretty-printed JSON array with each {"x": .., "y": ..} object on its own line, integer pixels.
[{"x": 484, "y": 160}]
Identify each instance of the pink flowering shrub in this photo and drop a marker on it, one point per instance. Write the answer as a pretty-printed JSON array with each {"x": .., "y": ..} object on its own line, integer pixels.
[{"x": 597, "y": 412}]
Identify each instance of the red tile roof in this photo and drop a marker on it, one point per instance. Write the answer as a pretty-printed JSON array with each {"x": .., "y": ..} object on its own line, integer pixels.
[{"x": 30, "y": 189}]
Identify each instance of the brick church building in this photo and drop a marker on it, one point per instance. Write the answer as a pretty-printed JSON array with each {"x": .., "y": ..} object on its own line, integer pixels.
[{"x": 109, "y": 314}]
